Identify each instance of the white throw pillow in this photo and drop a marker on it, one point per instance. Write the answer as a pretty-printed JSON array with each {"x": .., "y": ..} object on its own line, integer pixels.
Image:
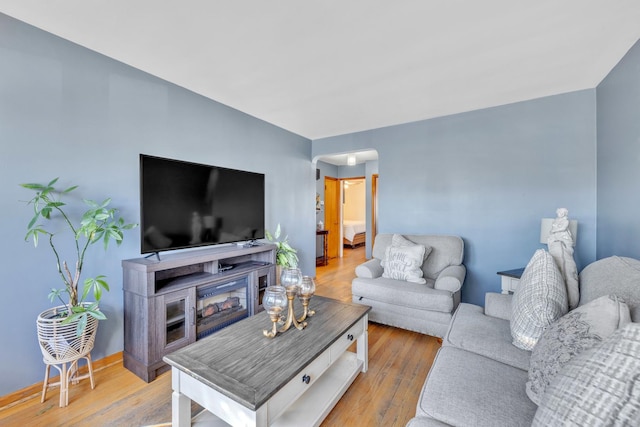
[
  {"x": 404, "y": 263},
  {"x": 399, "y": 241},
  {"x": 539, "y": 300},
  {"x": 598, "y": 387},
  {"x": 575, "y": 332}
]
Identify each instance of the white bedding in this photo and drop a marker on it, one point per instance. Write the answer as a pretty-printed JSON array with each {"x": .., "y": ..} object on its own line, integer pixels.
[{"x": 351, "y": 228}]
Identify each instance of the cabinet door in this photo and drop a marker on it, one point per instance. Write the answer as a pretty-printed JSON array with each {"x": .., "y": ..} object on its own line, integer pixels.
[
  {"x": 175, "y": 322},
  {"x": 262, "y": 278}
]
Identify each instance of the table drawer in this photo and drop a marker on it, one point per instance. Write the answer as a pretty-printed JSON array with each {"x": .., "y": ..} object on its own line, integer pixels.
[
  {"x": 346, "y": 339},
  {"x": 298, "y": 385}
]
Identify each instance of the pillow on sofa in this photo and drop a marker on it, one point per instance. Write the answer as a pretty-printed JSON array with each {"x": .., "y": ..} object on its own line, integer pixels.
[
  {"x": 576, "y": 331},
  {"x": 539, "y": 300},
  {"x": 598, "y": 387},
  {"x": 403, "y": 260}
]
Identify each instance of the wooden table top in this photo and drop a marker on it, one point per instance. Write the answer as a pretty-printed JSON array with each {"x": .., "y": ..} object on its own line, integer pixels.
[{"x": 241, "y": 363}]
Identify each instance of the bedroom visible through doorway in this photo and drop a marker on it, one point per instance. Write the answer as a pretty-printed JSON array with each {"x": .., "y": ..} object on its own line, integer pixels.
[{"x": 354, "y": 212}]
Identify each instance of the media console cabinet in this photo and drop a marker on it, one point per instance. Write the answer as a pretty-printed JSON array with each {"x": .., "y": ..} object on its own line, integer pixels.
[{"x": 172, "y": 302}]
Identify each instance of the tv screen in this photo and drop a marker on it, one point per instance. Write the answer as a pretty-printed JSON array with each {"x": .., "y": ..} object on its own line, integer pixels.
[{"x": 184, "y": 205}]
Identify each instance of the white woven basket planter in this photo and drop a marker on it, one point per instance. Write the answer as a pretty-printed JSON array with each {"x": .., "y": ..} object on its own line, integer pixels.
[{"x": 60, "y": 345}]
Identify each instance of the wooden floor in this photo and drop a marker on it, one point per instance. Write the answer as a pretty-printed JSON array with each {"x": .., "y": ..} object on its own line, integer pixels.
[{"x": 386, "y": 395}]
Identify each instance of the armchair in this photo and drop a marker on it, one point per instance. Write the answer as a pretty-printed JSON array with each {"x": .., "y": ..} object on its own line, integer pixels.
[{"x": 421, "y": 307}]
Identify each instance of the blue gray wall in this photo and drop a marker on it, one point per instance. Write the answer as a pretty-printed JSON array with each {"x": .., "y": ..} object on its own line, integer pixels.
[
  {"x": 69, "y": 112},
  {"x": 488, "y": 176},
  {"x": 619, "y": 159}
]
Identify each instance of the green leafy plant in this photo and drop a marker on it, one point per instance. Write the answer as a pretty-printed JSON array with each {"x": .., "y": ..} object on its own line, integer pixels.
[
  {"x": 286, "y": 256},
  {"x": 99, "y": 223}
]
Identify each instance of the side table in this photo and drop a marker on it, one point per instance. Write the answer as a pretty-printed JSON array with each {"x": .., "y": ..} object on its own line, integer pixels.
[
  {"x": 324, "y": 258},
  {"x": 510, "y": 279}
]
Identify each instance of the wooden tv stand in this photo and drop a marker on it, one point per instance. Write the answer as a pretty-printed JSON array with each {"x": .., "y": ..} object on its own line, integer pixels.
[{"x": 162, "y": 298}]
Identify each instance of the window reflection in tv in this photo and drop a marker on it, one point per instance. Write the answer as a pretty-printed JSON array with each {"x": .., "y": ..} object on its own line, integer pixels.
[{"x": 185, "y": 204}]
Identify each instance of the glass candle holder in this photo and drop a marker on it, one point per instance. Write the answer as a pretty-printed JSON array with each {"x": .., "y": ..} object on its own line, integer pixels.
[
  {"x": 275, "y": 303},
  {"x": 307, "y": 287},
  {"x": 305, "y": 291},
  {"x": 290, "y": 278}
]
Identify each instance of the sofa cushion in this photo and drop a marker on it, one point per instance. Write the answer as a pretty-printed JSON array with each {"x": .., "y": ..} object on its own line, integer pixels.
[
  {"x": 598, "y": 387},
  {"x": 464, "y": 388},
  {"x": 539, "y": 300},
  {"x": 573, "y": 333},
  {"x": 472, "y": 330},
  {"x": 403, "y": 260},
  {"x": 613, "y": 275}
]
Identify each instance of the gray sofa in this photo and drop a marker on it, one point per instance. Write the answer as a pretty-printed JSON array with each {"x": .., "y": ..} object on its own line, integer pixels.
[
  {"x": 425, "y": 308},
  {"x": 479, "y": 377}
]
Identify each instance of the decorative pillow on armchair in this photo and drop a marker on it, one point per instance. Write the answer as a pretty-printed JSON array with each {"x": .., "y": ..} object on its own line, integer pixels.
[
  {"x": 403, "y": 260},
  {"x": 578, "y": 330},
  {"x": 539, "y": 300}
]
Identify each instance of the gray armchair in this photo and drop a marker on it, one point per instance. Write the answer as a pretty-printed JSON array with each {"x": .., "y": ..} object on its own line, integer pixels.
[{"x": 426, "y": 308}]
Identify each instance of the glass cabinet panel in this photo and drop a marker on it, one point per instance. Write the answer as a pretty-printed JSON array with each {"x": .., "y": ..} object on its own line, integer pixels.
[
  {"x": 175, "y": 320},
  {"x": 175, "y": 324},
  {"x": 264, "y": 277}
]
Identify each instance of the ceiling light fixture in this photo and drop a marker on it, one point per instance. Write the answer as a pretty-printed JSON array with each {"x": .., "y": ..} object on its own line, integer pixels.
[{"x": 351, "y": 159}]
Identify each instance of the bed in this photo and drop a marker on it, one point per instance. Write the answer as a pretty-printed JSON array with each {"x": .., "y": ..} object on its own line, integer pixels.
[{"x": 354, "y": 233}]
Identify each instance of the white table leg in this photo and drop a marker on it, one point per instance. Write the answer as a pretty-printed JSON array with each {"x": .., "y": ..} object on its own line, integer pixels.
[
  {"x": 362, "y": 346},
  {"x": 180, "y": 410},
  {"x": 180, "y": 404}
]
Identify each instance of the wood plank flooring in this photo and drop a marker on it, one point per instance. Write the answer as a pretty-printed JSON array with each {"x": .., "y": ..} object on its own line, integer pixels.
[{"x": 384, "y": 396}]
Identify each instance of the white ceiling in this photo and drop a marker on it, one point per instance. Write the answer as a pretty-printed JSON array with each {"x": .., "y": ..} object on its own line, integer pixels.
[{"x": 329, "y": 67}]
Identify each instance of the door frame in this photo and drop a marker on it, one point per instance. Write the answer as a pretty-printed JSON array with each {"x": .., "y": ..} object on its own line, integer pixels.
[{"x": 333, "y": 207}]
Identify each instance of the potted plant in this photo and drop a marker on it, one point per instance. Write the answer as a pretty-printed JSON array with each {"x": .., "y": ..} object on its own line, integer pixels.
[
  {"x": 98, "y": 223},
  {"x": 286, "y": 256}
]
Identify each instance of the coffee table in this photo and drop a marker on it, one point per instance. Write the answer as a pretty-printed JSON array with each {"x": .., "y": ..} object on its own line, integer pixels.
[{"x": 296, "y": 378}]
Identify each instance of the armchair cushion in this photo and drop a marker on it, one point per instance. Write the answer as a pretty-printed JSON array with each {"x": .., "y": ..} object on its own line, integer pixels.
[
  {"x": 446, "y": 251},
  {"x": 403, "y": 294}
]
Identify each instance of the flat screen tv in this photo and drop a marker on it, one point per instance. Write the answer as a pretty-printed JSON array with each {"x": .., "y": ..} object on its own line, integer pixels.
[{"x": 185, "y": 205}]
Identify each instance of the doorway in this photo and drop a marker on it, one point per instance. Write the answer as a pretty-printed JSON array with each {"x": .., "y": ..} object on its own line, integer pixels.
[
  {"x": 354, "y": 213},
  {"x": 331, "y": 172}
]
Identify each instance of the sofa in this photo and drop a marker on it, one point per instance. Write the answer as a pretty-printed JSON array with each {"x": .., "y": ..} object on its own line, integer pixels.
[
  {"x": 584, "y": 368},
  {"x": 419, "y": 288}
]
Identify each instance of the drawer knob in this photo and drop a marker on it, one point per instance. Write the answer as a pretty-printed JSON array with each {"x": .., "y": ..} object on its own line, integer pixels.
[
  {"x": 350, "y": 337},
  {"x": 306, "y": 379}
]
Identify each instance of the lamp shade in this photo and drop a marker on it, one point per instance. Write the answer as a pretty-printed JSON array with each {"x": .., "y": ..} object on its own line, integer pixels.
[{"x": 545, "y": 229}]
